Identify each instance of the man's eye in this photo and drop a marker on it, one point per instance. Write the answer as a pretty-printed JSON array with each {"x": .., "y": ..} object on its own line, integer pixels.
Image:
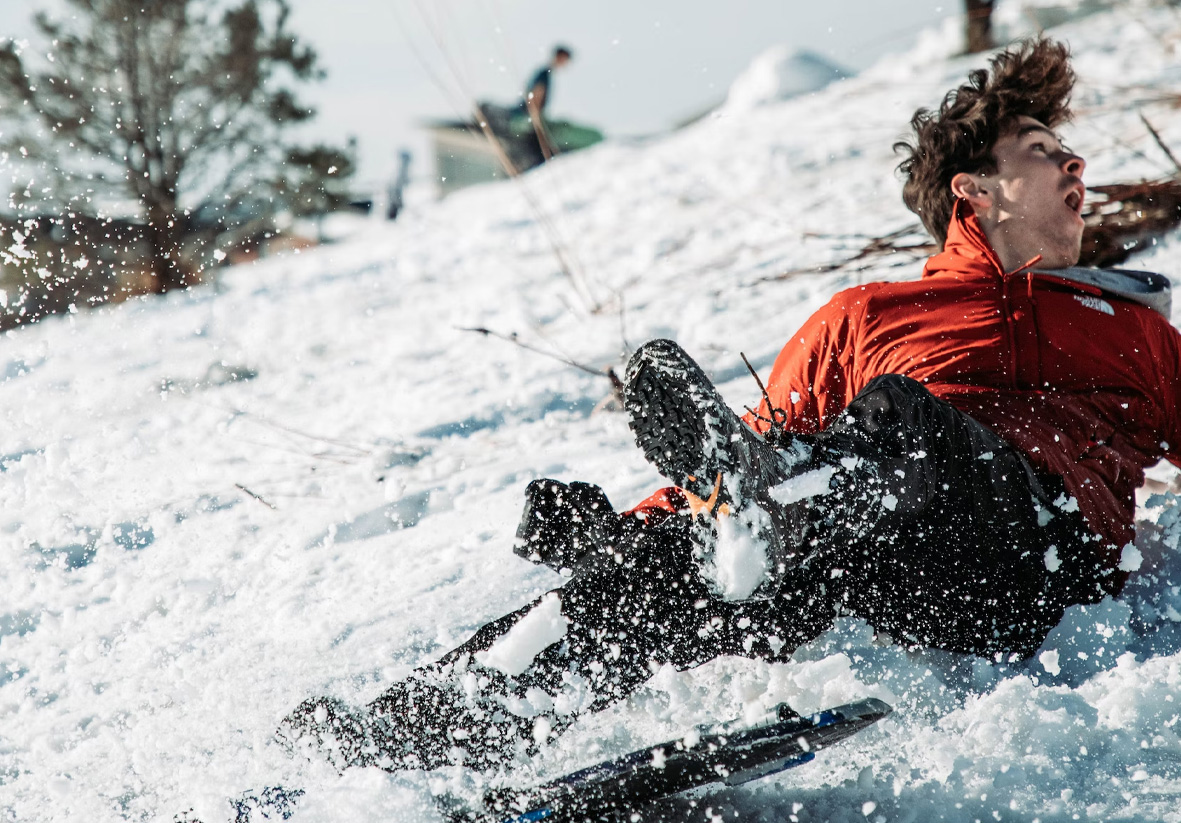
[{"x": 1038, "y": 147}]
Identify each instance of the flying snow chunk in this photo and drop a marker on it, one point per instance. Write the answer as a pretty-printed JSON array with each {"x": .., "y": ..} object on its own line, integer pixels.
[
  {"x": 543, "y": 626},
  {"x": 1049, "y": 661},
  {"x": 739, "y": 563},
  {"x": 1130, "y": 559},
  {"x": 809, "y": 484},
  {"x": 780, "y": 74},
  {"x": 542, "y": 729},
  {"x": 1053, "y": 562}
]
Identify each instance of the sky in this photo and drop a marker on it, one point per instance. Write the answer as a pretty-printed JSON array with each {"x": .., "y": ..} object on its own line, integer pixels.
[{"x": 640, "y": 65}]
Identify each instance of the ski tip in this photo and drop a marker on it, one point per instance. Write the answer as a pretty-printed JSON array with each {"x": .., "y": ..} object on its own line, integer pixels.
[
  {"x": 871, "y": 705},
  {"x": 869, "y": 709}
]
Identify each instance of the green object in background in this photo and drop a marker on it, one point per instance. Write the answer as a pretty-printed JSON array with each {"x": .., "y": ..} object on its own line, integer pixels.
[
  {"x": 464, "y": 157},
  {"x": 572, "y": 136},
  {"x": 565, "y": 135}
]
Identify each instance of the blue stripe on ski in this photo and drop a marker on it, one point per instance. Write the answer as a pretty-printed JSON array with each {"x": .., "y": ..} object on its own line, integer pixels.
[
  {"x": 792, "y": 762},
  {"x": 530, "y": 817}
]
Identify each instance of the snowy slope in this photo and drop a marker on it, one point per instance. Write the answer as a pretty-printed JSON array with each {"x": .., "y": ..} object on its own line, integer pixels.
[{"x": 157, "y": 619}]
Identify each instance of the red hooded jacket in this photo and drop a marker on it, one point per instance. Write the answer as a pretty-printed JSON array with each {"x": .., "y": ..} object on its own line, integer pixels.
[{"x": 1085, "y": 384}]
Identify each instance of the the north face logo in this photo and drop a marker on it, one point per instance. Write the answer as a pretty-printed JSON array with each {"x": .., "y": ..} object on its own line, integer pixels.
[{"x": 1095, "y": 303}]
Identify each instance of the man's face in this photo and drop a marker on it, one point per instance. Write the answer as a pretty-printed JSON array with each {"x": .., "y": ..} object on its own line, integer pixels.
[{"x": 1036, "y": 198}]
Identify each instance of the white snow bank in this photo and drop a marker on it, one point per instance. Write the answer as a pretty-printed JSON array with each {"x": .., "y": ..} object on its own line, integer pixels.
[{"x": 780, "y": 74}]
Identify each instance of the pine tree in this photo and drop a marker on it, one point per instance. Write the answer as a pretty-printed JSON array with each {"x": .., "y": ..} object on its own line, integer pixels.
[{"x": 181, "y": 107}]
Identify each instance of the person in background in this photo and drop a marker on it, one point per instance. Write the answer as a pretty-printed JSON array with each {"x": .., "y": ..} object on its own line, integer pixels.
[{"x": 536, "y": 95}]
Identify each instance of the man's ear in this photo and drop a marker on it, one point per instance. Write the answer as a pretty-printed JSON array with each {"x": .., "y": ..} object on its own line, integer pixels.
[{"x": 974, "y": 188}]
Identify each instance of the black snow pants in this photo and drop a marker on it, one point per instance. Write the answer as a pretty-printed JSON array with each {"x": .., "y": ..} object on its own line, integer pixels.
[{"x": 934, "y": 530}]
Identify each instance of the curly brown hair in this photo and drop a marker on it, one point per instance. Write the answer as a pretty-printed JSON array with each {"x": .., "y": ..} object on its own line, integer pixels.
[{"x": 1032, "y": 78}]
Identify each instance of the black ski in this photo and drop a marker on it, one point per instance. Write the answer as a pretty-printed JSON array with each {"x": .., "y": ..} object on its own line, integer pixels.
[{"x": 730, "y": 755}]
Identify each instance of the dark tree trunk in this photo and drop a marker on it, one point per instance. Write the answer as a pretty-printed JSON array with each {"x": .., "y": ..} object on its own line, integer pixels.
[
  {"x": 163, "y": 236},
  {"x": 979, "y": 31}
]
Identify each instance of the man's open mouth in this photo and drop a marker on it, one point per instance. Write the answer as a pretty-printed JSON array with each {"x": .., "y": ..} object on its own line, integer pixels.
[{"x": 1075, "y": 200}]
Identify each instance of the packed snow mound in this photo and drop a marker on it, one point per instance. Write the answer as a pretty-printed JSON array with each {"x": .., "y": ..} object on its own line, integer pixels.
[{"x": 781, "y": 74}]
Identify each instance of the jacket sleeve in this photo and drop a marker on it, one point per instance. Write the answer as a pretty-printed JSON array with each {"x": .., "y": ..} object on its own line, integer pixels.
[{"x": 812, "y": 378}]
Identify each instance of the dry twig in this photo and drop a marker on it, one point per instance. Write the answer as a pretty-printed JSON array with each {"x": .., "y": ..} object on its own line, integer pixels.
[
  {"x": 1156, "y": 136},
  {"x": 1126, "y": 219},
  {"x": 891, "y": 243},
  {"x": 257, "y": 497},
  {"x": 609, "y": 372}
]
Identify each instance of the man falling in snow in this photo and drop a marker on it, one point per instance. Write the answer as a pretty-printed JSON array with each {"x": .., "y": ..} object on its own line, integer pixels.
[{"x": 954, "y": 459}]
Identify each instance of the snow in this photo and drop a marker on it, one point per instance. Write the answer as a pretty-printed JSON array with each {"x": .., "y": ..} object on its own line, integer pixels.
[
  {"x": 739, "y": 563},
  {"x": 808, "y": 484},
  {"x": 779, "y": 74},
  {"x": 1050, "y": 661},
  {"x": 514, "y": 651},
  {"x": 305, "y": 480},
  {"x": 1130, "y": 558}
]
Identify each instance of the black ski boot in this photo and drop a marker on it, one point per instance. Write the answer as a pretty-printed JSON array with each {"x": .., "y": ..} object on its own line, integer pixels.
[
  {"x": 687, "y": 431},
  {"x": 331, "y": 729},
  {"x": 423, "y": 722},
  {"x": 272, "y": 803},
  {"x": 428, "y": 720}
]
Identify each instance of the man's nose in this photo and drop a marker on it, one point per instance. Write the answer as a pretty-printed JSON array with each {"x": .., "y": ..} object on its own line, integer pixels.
[{"x": 1073, "y": 164}]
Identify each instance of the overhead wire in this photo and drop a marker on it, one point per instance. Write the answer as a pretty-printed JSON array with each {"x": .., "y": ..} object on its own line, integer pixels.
[
  {"x": 507, "y": 52},
  {"x": 457, "y": 108},
  {"x": 567, "y": 261}
]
